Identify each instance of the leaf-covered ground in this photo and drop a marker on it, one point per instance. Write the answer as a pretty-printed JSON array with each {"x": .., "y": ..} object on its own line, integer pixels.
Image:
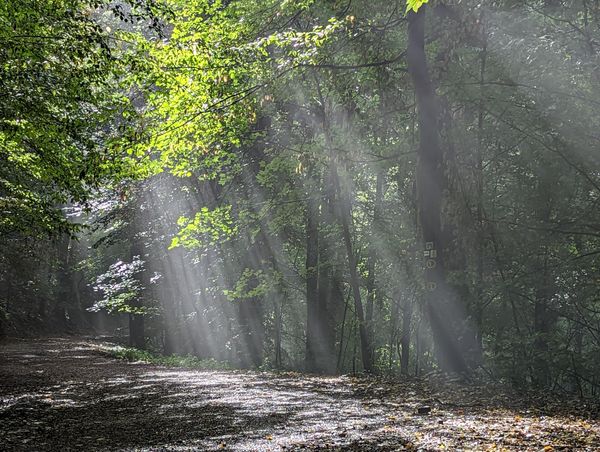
[{"x": 67, "y": 394}]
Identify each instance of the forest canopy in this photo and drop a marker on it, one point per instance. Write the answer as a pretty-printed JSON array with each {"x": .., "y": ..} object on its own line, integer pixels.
[{"x": 330, "y": 186}]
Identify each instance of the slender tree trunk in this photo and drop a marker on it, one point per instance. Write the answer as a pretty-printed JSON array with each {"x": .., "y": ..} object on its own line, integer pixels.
[
  {"x": 418, "y": 347},
  {"x": 344, "y": 213},
  {"x": 478, "y": 308},
  {"x": 251, "y": 322},
  {"x": 544, "y": 284},
  {"x": 64, "y": 285},
  {"x": 137, "y": 334},
  {"x": 341, "y": 348},
  {"x": 372, "y": 260},
  {"x": 312, "y": 276},
  {"x": 541, "y": 327},
  {"x": 7, "y": 293},
  {"x": 345, "y": 219},
  {"x": 407, "y": 312},
  {"x": 136, "y": 331},
  {"x": 394, "y": 314},
  {"x": 278, "y": 327}
]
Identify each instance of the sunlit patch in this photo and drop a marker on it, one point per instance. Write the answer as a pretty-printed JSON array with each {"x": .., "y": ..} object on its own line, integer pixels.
[{"x": 8, "y": 402}]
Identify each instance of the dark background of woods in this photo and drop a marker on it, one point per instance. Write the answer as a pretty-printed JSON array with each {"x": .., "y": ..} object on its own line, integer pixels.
[{"x": 422, "y": 196}]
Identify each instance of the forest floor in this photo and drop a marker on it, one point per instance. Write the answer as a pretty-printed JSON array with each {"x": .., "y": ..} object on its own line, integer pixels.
[{"x": 65, "y": 394}]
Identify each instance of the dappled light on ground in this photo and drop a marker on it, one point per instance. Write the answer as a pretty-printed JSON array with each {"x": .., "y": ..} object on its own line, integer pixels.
[{"x": 63, "y": 394}]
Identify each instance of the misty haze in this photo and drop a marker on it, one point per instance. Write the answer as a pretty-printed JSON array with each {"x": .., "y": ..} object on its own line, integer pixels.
[{"x": 274, "y": 225}]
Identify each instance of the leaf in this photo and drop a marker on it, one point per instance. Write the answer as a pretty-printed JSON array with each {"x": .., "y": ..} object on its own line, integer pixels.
[
  {"x": 174, "y": 243},
  {"x": 414, "y": 5}
]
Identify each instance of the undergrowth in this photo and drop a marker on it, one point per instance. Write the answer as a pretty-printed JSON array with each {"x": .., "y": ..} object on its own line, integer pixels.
[{"x": 135, "y": 355}]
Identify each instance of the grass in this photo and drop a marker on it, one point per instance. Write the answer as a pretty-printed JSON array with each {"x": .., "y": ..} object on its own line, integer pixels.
[{"x": 191, "y": 362}]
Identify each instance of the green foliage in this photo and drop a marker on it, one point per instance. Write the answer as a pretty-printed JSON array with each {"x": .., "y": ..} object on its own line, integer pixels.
[
  {"x": 121, "y": 288},
  {"x": 206, "y": 82},
  {"x": 414, "y": 5},
  {"x": 59, "y": 85},
  {"x": 56, "y": 66},
  {"x": 189, "y": 362},
  {"x": 252, "y": 284},
  {"x": 208, "y": 227}
]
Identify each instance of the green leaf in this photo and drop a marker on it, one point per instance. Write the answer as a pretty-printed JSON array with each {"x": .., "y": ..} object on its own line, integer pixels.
[{"x": 414, "y": 5}]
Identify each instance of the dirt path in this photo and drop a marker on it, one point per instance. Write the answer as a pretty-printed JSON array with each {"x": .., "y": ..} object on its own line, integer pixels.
[{"x": 65, "y": 394}]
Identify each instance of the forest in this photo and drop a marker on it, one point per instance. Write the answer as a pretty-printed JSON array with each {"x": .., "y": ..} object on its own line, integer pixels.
[{"x": 337, "y": 195}]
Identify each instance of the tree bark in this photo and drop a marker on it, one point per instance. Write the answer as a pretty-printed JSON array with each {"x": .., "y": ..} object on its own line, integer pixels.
[
  {"x": 407, "y": 311},
  {"x": 137, "y": 334},
  {"x": 312, "y": 276},
  {"x": 345, "y": 219},
  {"x": 372, "y": 259},
  {"x": 444, "y": 315}
]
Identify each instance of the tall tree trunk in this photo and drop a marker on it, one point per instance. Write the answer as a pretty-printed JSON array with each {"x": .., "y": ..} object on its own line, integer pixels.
[
  {"x": 444, "y": 315},
  {"x": 312, "y": 276},
  {"x": 251, "y": 323},
  {"x": 372, "y": 259},
  {"x": 394, "y": 314},
  {"x": 345, "y": 220},
  {"x": 545, "y": 286},
  {"x": 344, "y": 214},
  {"x": 542, "y": 326},
  {"x": 137, "y": 337},
  {"x": 6, "y": 295},
  {"x": 329, "y": 296},
  {"x": 278, "y": 314},
  {"x": 407, "y": 312},
  {"x": 63, "y": 293},
  {"x": 341, "y": 347},
  {"x": 137, "y": 333},
  {"x": 478, "y": 308}
]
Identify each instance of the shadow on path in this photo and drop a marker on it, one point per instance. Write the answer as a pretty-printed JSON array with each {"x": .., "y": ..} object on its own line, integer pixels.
[{"x": 65, "y": 394}]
